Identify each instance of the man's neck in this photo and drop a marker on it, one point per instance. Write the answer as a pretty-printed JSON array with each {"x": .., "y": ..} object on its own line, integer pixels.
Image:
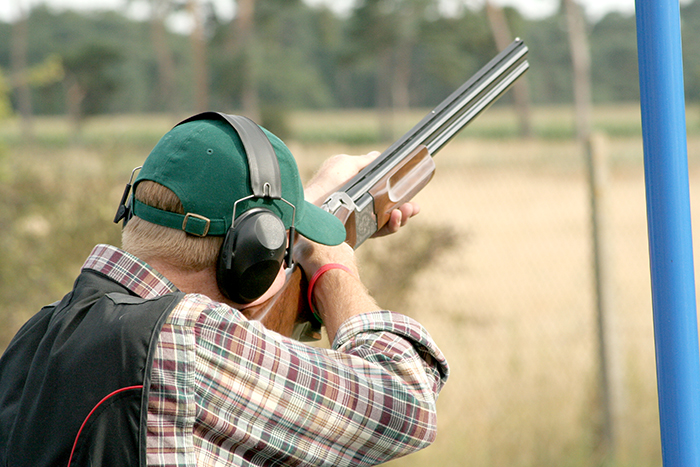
[
  {"x": 204, "y": 282},
  {"x": 190, "y": 281}
]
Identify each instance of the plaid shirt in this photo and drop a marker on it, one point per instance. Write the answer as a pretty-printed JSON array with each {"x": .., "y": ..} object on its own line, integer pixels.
[{"x": 227, "y": 391}]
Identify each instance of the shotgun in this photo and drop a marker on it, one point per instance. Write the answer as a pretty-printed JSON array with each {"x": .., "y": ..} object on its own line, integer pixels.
[{"x": 365, "y": 202}]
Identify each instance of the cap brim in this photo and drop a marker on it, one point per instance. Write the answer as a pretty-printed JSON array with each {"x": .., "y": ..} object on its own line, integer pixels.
[{"x": 320, "y": 226}]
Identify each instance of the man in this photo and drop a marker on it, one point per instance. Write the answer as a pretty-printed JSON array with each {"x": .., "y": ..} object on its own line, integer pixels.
[{"x": 150, "y": 359}]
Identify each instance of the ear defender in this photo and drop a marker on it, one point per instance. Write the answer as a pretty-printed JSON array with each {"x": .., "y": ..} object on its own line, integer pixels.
[
  {"x": 253, "y": 251},
  {"x": 254, "y": 247},
  {"x": 251, "y": 256}
]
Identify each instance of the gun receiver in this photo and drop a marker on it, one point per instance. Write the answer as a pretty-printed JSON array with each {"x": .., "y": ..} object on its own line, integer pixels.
[{"x": 366, "y": 201}]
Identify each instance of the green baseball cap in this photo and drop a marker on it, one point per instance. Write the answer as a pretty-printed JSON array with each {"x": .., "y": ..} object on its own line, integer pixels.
[{"x": 204, "y": 163}]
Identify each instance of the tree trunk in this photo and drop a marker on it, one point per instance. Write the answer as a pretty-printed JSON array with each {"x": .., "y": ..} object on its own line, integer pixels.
[
  {"x": 384, "y": 89},
  {"x": 21, "y": 73},
  {"x": 521, "y": 97},
  {"x": 610, "y": 376},
  {"x": 581, "y": 62},
  {"x": 166, "y": 67},
  {"x": 399, "y": 79},
  {"x": 75, "y": 95},
  {"x": 244, "y": 43},
  {"x": 199, "y": 59},
  {"x": 402, "y": 76}
]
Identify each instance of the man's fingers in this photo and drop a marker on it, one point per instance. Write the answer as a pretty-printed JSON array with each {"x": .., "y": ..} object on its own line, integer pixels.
[
  {"x": 407, "y": 211},
  {"x": 398, "y": 218}
]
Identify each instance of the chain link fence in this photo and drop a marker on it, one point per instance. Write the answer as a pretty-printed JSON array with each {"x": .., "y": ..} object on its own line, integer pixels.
[
  {"x": 506, "y": 287},
  {"x": 498, "y": 266}
]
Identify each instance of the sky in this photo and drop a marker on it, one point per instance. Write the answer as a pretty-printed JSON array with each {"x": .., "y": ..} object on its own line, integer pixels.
[{"x": 595, "y": 9}]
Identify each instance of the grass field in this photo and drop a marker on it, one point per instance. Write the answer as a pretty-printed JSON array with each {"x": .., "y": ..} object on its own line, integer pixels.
[{"x": 497, "y": 266}]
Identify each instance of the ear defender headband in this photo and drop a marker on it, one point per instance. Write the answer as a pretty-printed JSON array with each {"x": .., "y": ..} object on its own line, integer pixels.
[
  {"x": 254, "y": 248},
  {"x": 256, "y": 245},
  {"x": 124, "y": 211}
]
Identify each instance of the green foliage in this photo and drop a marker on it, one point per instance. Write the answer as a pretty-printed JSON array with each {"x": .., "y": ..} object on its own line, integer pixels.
[
  {"x": 290, "y": 57},
  {"x": 67, "y": 34},
  {"x": 91, "y": 69},
  {"x": 5, "y": 106},
  {"x": 550, "y": 75},
  {"x": 449, "y": 51},
  {"x": 309, "y": 57},
  {"x": 690, "y": 27},
  {"x": 614, "y": 47}
]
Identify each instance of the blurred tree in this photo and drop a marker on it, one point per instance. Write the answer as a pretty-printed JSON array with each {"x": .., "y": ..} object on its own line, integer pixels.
[
  {"x": 503, "y": 37},
  {"x": 20, "y": 33},
  {"x": 64, "y": 33},
  {"x": 90, "y": 82},
  {"x": 39, "y": 76},
  {"x": 451, "y": 49},
  {"x": 290, "y": 34},
  {"x": 24, "y": 77},
  {"x": 386, "y": 32},
  {"x": 166, "y": 89},
  {"x": 391, "y": 53},
  {"x": 289, "y": 37},
  {"x": 244, "y": 46},
  {"x": 614, "y": 69},
  {"x": 45, "y": 73},
  {"x": 550, "y": 75},
  {"x": 411, "y": 15},
  {"x": 5, "y": 105},
  {"x": 198, "y": 43},
  {"x": 581, "y": 64},
  {"x": 277, "y": 56}
]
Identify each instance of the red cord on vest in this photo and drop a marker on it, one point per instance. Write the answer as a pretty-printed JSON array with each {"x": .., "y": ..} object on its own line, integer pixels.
[{"x": 104, "y": 399}]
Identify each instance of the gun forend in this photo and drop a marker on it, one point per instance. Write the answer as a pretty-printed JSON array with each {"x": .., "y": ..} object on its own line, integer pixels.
[
  {"x": 364, "y": 216},
  {"x": 411, "y": 156}
]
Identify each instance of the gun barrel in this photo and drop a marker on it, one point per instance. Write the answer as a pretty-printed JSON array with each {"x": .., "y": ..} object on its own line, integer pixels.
[
  {"x": 440, "y": 125},
  {"x": 466, "y": 114}
]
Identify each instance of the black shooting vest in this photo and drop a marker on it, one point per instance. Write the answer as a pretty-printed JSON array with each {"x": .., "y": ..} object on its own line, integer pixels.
[{"x": 74, "y": 380}]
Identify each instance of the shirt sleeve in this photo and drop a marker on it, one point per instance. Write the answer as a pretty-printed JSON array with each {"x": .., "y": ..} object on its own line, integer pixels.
[
  {"x": 265, "y": 399},
  {"x": 374, "y": 336}
]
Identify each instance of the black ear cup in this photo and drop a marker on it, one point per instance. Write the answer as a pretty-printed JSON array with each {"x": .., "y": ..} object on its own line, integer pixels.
[
  {"x": 251, "y": 256},
  {"x": 254, "y": 247}
]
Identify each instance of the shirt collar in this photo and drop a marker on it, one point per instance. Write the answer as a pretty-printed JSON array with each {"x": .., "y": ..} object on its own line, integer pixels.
[{"x": 129, "y": 271}]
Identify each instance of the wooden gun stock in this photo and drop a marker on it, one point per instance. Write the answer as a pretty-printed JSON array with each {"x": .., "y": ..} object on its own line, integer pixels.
[
  {"x": 365, "y": 202},
  {"x": 288, "y": 312}
]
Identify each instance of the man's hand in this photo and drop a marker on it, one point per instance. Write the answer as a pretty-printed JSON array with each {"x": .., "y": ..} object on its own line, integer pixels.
[{"x": 336, "y": 171}]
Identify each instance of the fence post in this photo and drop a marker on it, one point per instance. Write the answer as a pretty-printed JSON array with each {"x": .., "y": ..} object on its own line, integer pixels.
[{"x": 610, "y": 370}]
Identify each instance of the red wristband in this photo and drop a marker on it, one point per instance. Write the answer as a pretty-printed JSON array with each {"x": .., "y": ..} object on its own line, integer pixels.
[{"x": 314, "y": 278}]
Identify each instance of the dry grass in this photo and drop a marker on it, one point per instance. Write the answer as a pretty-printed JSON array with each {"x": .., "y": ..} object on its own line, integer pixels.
[
  {"x": 511, "y": 303},
  {"x": 512, "y": 306},
  {"x": 507, "y": 293}
]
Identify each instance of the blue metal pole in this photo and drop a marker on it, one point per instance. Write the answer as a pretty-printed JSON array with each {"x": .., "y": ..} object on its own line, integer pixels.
[{"x": 670, "y": 241}]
